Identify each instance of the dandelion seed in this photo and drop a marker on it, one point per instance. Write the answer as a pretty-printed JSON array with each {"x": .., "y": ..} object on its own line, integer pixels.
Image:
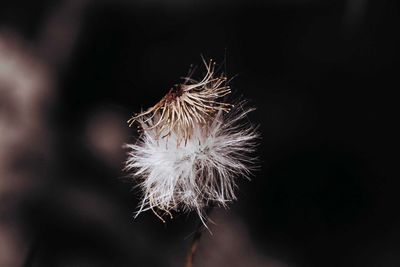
[{"x": 192, "y": 147}]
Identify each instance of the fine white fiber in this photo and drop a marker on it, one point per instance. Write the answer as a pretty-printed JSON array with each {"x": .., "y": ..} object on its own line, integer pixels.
[{"x": 192, "y": 147}]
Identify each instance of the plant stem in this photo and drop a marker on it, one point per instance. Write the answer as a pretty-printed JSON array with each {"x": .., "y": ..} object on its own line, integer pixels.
[{"x": 196, "y": 238}]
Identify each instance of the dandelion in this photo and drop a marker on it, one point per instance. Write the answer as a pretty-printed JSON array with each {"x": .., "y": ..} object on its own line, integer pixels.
[{"x": 192, "y": 146}]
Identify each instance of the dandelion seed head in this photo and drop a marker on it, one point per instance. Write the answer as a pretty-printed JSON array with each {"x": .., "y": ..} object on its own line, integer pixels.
[{"x": 192, "y": 147}]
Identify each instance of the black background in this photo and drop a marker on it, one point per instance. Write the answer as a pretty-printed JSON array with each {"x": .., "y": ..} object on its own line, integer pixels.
[{"x": 323, "y": 76}]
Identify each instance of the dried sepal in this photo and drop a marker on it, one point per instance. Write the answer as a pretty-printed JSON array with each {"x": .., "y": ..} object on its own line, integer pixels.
[{"x": 189, "y": 103}]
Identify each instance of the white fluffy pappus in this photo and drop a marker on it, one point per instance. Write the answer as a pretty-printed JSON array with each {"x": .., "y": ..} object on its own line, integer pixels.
[{"x": 192, "y": 170}]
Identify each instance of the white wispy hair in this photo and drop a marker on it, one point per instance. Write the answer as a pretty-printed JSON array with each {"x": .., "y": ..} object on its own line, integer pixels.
[{"x": 192, "y": 169}]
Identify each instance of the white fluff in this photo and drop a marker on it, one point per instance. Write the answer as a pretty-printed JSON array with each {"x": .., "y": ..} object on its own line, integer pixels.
[{"x": 192, "y": 174}]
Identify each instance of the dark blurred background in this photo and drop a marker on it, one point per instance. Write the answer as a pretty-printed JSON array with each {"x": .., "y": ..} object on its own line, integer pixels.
[{"x": 323, "y": 75}]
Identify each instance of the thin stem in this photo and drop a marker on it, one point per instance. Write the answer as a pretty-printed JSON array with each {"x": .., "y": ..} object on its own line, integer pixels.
[{"x": 196, "y": 238}]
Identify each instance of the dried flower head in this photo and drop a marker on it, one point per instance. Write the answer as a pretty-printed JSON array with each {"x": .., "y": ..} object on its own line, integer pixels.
[
  {"x": 188, "y": 104},
  {"x": 192, "y": 147}
]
